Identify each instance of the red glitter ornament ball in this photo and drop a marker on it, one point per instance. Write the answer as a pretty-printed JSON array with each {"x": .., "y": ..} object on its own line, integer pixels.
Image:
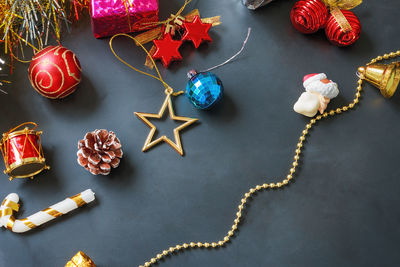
[
  {"x": 337, "y": 36},
  {"x": 55, "y": 72},
  {"x": 308, "y": 16}
]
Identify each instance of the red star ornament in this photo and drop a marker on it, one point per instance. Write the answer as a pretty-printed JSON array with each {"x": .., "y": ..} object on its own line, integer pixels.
[
  {"x": 167, "y": 50},
  {"x": 196, "y": 31}
]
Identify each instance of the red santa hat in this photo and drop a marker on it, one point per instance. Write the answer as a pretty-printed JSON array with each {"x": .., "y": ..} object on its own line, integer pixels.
[{"x": 309, "y": 78}]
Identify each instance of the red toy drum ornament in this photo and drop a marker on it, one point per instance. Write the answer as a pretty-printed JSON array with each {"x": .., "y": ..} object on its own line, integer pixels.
[
  {"x": 308, "y": 16},
  {"x": 22, "y": 152},
  {"x": 55, "y": 72},
  {"x": 337, "y": 35}
]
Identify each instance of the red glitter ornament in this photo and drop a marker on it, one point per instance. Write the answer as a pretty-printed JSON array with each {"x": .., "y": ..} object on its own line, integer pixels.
[
  {"x": 55, "y": 72},
  {"x": 335, "y": 33},
  {"x": 196, "y": 31},
  {"x": 308, "y": 16},
  {"x": 167, "y": 50}
]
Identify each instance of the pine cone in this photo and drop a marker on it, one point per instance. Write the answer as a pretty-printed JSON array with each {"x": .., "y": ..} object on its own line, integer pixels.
[{"x": 98, "y": 151}]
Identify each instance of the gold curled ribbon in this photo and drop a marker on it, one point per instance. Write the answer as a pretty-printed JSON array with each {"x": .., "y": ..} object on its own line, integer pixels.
[{"x": 336, "y": 5}]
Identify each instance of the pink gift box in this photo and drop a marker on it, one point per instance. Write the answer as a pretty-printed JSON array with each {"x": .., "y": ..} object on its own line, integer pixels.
[{"x": 110, "y": 17}]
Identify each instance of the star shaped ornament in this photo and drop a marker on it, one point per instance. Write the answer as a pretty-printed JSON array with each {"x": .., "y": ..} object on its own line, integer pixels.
[
  {"x": 177, "y": 145},
  {"x": 196, "y": 31},
  {"x": 167, "y": 50}
]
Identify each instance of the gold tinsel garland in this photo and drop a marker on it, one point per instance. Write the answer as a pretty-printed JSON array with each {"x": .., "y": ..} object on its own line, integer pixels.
[{"x": 33, "y": 22}]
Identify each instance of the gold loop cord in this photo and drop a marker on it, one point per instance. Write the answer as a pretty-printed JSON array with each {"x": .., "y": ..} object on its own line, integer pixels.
[
  {"x": 23, "y": 124},
  {"x": 280, "y": 184},
  {"x": 159, "y": 78}
]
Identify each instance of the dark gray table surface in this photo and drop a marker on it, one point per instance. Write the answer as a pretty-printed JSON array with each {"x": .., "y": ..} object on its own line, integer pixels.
[{"x": 341, "y": 210}]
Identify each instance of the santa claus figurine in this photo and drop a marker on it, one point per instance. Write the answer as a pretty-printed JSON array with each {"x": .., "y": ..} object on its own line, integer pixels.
[{"x": 319, "y": 91}]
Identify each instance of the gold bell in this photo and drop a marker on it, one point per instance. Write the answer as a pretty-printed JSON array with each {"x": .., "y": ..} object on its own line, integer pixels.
[{"x": 386, "y": 77}]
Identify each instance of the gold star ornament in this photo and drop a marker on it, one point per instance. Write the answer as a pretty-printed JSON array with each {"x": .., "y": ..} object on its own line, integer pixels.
[{"x": 177, "y": 145}]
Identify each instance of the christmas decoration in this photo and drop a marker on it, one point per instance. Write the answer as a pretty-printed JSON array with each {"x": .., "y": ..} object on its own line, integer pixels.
[
  {"x": 172, "y": 250},
  {"x": 99, "y": 151},
  {"x": 2, "y": 82},
  {"x": 204, "y": 89},
  {"x": 22, "y": 152},
  {"x": 10, "y": 205},
  {"x": 196, "y": 31},
  {"x": 55, "y": 72},
  {"x": 33, "y": 22},
  {"x": 167, "y": 50},
  {"x": 385, "y": 77},
  {"x": 319, "y": 92},
  {"x": 110, "y": 17},
  {"x": 254, "y": 4},
  {"x": 337, "y": 35},
  {"x": 177, "y": 145},
  {"x": 149, "y": 143},
  {"x": 308, "y": 16},
  {"x": 342, "y": 27},
  {"x": 80, "y": 260}
]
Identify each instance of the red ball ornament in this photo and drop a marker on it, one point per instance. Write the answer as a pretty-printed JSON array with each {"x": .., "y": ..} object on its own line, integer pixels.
[
  {"x": 308, "y": 16},
  {"x": 335, "y": 33},
  {"x": 55, "y": 72}
]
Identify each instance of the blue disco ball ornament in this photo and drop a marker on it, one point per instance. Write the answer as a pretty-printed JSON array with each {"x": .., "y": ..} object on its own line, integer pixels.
[{"x": 204, "y": 89}]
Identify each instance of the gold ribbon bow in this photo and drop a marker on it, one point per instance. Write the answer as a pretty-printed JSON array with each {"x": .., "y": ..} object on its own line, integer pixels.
[{"x": 336, "y": 5}]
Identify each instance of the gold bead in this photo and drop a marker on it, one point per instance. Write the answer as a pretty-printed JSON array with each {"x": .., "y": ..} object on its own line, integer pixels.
[
  {"x": 258, "y": 187},
  {"x": 226, "y": 239},
  {"x": 325, "y": 115},
  {"x": 296, "y": 157},
  {"x": 185, "y": 245},
  {"x": 298, "y": 151},
  {"x": 153, "y": 260},
  {"x": 252, "y": 190},
  {"x": 332, "y": 112},
  {"x": 247, "y": 195},
  {"x": 299, "y": 145},
  {"x": 385, "y": 56},
  {"x": 391, "y": 54},
  {"x": 265, "y": 186},
  {"x": 345, "y": 108},
  {"x": 192, "y": 244},
  {"x": 308, "y": 126},
  {"x": 360, "y": 81},
  {"x": 285, "y": 182},
  {"x": 230, "y": 233},
  {"x": 351, "y": 105},
  {"x": 355, "y": 101},
  {"x": 305, "y": 132},
  {"x": 171, "y": 249},
  {"x": 159, "y": 256},
  {"x": 289, "y": 176},
  {"x": 240, "y": 207},
  {"x": 292, "y": 170},
  {"x": 358, "y": 94},
  {"x": 295, "y": 164},
  {"x": 279, "y": 184},
  {"x": 165, "y": 252},
  {"x": 373, "y": 60},
  {"x": 199, "y": 244},
  {"x": 339, "y": 110},
  {"x": 178, "y": 247},
  {"x": 379, "y": 58},
  {"x": 238, "y": 214},
  {"x": 234, "y": 227},
  {"x": 221, "y": 243},
  {"x": 313, "y": 121},
  {"x": 243, "y": 200},
  {"x": 206, "y": 244},
  {"x": 272, "y": 185},
  {"x": 318, "y": 117},
  {"x": 213, "y": 244},
  {"x": 302, "y": 138},
  {"x": 147, "y": 264},
  {"x": 236, "y": 220}
]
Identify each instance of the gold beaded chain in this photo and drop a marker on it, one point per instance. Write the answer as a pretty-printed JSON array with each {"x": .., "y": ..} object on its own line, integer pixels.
[{"x": 280, "y": 184}]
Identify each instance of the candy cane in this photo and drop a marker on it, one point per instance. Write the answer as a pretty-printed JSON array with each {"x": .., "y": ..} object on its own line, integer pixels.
[{"x": 10, "y": 205}]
